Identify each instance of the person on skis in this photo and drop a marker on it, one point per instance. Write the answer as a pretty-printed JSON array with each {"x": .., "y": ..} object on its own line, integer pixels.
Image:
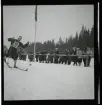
[{"x": 15, "y": 47}]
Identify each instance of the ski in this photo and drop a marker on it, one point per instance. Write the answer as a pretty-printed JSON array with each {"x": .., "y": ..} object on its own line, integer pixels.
[
  {"x": 16, "y": 67},
  {"x": 21, "y": 69},
  {"x": 8, "y": 65}
]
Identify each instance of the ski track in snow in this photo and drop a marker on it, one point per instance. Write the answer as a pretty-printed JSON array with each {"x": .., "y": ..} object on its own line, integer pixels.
[{"x": 48, "y": 81}]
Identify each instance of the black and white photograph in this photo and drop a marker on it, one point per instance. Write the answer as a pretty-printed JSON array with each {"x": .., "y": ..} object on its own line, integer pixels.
[{"x": 48, "y": 52}]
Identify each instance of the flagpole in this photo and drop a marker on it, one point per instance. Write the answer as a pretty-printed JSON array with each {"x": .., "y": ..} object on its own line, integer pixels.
[
  {"x": 35, "y": 31},
  {"x": 35, "y": 42}
]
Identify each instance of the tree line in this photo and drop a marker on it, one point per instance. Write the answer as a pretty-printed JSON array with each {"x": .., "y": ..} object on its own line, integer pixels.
[{"x": 85, "y": 38}]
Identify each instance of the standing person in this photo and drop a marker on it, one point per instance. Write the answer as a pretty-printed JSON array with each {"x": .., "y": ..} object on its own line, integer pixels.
[
  {"x": 16, "y": 44},
  {"x": 74, "y": 58},
  {"x": 5, "y": 52},
  {"x": 37, "y": 56},
  {"x": 74, "y": 50},
  {"x": 56, "y": 51},
  {"x": 79, "y": 54},
  {"x": 56, "y": 56},
  {"x": 66, "y": 56},
  {"x": 88, "y": 56},
  {"x": 45, "y": 52},
  {"x": 84, "y": 56},
  {"x": 8, "y": 55},
  {"x": 66, "y": 52}
]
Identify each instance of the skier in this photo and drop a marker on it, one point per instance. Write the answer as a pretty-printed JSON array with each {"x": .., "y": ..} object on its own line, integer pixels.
[{"x": 15, "y": 47}]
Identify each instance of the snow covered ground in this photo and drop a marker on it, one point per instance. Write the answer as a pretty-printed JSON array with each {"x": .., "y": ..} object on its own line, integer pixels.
[{"x": 48, "y": 81}]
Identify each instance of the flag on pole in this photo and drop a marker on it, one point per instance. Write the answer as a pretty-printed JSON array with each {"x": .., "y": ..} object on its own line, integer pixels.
[{"x": 36, "y": 13}]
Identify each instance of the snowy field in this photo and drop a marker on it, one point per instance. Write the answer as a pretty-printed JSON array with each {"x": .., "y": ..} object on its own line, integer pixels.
[{"x": 48, "y": 81}]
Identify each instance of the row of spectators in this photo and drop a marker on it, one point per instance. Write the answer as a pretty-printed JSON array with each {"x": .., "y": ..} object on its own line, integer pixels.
[{"x": 53, "y": 56}]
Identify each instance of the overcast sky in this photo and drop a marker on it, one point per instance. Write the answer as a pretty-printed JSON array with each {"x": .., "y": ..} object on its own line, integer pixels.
[{"x": 53, "y": 21}]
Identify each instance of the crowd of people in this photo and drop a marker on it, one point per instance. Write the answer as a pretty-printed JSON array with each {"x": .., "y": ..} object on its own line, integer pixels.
[
  {"x": 75, "y": 55},
  {"x": 57, "y": 55}
]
